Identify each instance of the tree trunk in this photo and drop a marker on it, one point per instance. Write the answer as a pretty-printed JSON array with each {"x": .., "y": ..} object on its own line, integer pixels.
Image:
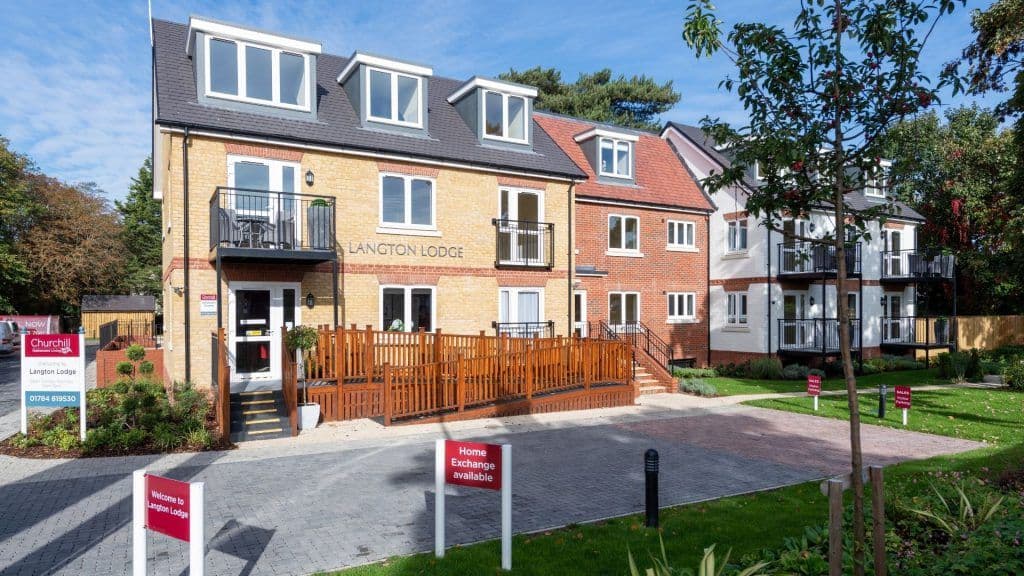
[{"x": 856, "y": 457}]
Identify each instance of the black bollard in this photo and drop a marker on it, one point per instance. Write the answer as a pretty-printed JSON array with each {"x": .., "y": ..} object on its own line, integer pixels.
[
  {"x": 881, "y": 400},
  {"x": 651, "y": 472}
]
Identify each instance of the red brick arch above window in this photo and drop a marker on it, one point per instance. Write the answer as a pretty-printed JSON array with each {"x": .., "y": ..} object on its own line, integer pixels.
[
  {"x": 263, "y": 152},
  {"x": 408, "y": 169}
]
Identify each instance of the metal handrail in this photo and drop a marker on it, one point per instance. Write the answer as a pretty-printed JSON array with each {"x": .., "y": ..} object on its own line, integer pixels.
[
  {"x": 265, "y": 219},
  {"x": 525, "y": 329},
  {"x": 815, "y": 334},
  {"x": 937, "y": 330},
  {"x": 523, "y": 243},
  {"x": 912, "y": 263},
  {"x": 642, "y": 337},
  {"x": 808, "y": 257}
]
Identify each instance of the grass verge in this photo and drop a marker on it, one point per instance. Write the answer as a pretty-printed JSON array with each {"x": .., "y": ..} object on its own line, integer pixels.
[{"x": 736, "y": 386}]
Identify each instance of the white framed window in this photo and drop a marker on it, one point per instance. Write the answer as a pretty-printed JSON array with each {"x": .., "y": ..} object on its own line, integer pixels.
[
  {"x": 247, "y": 72},
  {"x": 408, "y": 308},
  {"x": 736, "y": 315},
  {"x": 737, "y": 235},
  {"x": 393, "y": 97},
  {"x": 504, "y": 116},
  {"x": 615, "y": 158},
  {"x": 623, "y": 233},
  {"x": 407, "y": 202},
  {"x": 682, "y": 307},
  {"x": 623, "y": 308},
  {"x": 876, "y": 185},
  {"x": 521, "y": 306},
  {"x": 681, "y": 235}
]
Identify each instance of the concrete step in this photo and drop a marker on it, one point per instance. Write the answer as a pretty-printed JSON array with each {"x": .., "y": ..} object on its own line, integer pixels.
[{"x": 648, "y": 389}]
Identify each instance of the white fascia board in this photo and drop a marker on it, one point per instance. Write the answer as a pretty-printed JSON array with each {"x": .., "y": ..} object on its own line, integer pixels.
[
  {"x": 509, "y": 88},
  {"x": 248, "y": 34},
  {"x": 607, "y": 134},
  {"x": 385, "y": 63}
]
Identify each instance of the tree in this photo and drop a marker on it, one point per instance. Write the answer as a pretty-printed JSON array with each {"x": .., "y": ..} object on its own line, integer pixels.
[
  {"x": 17, "y": 210},
  {"x": 140, "y": 233},
  {"x": 632, "y": 102},
  {"x": 960, "y": 176},
  {"x": 819, "y": 95},
  {"x": 74, "y": 247}
]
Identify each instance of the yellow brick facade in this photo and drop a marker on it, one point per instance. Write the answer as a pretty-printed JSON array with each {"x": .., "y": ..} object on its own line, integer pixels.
[{"x": 466, "y": 294}]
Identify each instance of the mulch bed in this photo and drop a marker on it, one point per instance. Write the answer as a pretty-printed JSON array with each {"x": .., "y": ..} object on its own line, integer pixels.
[{"x": 50, "y": 452}]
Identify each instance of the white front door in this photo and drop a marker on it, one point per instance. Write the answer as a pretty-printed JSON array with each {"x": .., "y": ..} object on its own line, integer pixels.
[
  {"x": 579, "y": 313},
  {"x": 257, "y": 311}
]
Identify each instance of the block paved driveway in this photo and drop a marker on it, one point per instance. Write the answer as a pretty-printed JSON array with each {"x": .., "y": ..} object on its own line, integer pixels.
[{"x": 294, "y": 507}]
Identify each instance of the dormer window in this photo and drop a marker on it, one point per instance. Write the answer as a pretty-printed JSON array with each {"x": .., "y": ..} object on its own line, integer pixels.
[
  {"x": 252, "y": 67},
  {"x": 394, "y": 97},
  {"x": 616, "y": 158},
  {"x": 504, "y": 116},
  {"x": 876, "y": 185}
]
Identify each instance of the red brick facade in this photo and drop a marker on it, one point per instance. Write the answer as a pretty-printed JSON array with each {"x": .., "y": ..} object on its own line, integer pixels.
[{"x": 658, "y": 272}]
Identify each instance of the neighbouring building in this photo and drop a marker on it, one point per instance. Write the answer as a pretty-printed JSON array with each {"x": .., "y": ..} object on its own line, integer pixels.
[
  {"x": 771, "y": 294},
  {"x": 641, "y": 242},
  {"x": 303, "y": 187},
  {"x": 133, "y": 313}
]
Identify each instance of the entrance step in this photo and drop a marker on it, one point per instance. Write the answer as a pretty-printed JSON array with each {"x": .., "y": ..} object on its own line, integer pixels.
[
  {"x": 259, "y": 415},
  {"x": 646, "y": 389}
]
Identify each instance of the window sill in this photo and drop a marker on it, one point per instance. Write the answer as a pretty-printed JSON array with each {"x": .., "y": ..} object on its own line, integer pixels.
[
  {"x": 624, "y": 253},
  {"x": 735, "y": 328},
  {"x": 681, "y": 321},
  {"x": 407, "y": 231},
  {"x": 671, "y": 248},
  {"x": 736, "y": 255}
]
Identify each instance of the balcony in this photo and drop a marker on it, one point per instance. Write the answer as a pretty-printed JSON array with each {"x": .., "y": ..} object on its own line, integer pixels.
[
  {"x": 922, "y": 332},
  {"x": 525, "y": 329},
  {"x": 259, "y": 225},
  {"x": 815, "y": 336},
  {"x": 522, "y": 244},
  {"x": 807, "y": 260},
  {"x": 915, "y": 266}
]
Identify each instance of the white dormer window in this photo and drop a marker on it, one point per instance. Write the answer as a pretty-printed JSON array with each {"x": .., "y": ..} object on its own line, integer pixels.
[
  {"x": 616, "y": 158},
  {"x": 876, "y": 185},
  {"x": 394, "y": 97},
  {"x": 258, "y": 74},
  {"x": 504, "y": 116}
]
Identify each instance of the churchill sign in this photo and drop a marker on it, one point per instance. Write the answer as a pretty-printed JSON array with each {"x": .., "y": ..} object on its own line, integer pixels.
[
  {"x": 476, "y": 465},
  {"x": 53, "y": 374}
]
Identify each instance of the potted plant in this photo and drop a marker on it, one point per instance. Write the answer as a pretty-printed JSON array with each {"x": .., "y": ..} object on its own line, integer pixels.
[
  {"x": 320, "y": 223},
  {"x": 298, "y": 340}
]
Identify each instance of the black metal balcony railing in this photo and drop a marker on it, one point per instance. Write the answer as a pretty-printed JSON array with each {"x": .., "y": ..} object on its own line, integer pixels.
[
  {"x": 810, "y": 258},
  {"x": 520, "y": 243},
  {"x": 243, "y": 218},
  {"x": 919, "y": 331},
  {"x": 525, "y": 329},
  {"x": 815, "y": 335},
  {"x": 915, "y": 265}
]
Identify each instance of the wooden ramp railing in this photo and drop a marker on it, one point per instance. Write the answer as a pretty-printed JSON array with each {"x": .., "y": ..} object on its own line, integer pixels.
[
  {"x": 289, "y": 384},
  {"x": 222, "y": 383}
]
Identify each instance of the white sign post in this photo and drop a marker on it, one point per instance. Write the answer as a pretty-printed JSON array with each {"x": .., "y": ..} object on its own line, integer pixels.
[
  {"x": 169, "y": 507},
  {"x": 53, "y": 374},
  {"x": 481, "y": 466}
]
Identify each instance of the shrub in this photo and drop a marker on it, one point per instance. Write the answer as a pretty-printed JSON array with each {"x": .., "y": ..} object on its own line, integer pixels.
[
  {"x": 166, "y": 436},
  {"x": 694, "y": 372},
  {"x": 991, "y": 367},
  {"x": 816, "y": 372},
  {"x": 125, "y": 369},
  {"x": 833, "y": 368},
  {"x": 869, "y": 369},
  {"x": 146, "y": 368},
  {"x": 697, "y": 386},
  {"x": 135, "y": 352},
  {"x": 199, "y": 438},
  {"x": 765, "y": 369},
  {"x": 1013, "y": 375},
  {"x": 795, "y": 372}
]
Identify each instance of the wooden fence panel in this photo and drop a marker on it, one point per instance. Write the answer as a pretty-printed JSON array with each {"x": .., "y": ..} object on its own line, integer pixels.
[{"x": 986, "y": 332}]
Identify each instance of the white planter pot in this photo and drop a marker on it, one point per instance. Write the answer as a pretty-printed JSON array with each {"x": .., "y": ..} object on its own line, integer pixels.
[{"x": 309, "y": 416}]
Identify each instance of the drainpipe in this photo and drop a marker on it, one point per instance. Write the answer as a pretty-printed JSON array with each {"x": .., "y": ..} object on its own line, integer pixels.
[
  {"x": 768, "y": 249},
  {"x": 569, "y": 250},
  {"x": 707, "y": 272},
  {"x": 185, "y": 295}
]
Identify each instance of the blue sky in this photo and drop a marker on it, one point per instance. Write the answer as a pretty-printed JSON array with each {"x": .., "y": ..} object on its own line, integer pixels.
[{"x": 75, "y": 75}]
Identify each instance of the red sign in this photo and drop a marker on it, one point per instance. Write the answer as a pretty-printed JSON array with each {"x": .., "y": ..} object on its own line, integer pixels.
[
  {"x": 814, "y": 385},
  {"x": 35, "y": 324},
  {"x": 902, "y": 396},
  {"x": 167, "y": 506},
  {"x": 52, "y": 345},
  {"x": 472, "y": 464}
]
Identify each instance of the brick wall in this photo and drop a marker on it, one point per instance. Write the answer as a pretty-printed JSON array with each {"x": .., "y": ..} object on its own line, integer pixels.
[
  {"x": 658, "y": 272},
  {"x": 107, "y": 361}
]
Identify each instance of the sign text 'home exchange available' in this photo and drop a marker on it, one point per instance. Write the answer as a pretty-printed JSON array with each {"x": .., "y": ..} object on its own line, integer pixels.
[
  {"x": 167, "y": 506},
  {"x": 473, "y": 464}
]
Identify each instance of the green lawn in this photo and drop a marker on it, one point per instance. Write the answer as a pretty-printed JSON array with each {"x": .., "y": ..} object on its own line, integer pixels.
[
  {"x": 993, "y": 416},
  {"x": 743, "y": 523},
  {"x": 735, "y": 386}
]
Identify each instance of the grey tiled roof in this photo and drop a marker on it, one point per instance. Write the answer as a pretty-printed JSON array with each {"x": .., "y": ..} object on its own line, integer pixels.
[
  {"x": 451, "y": 139},
  {"x": 118, "y": 303},
  {"x": 854, "y": 200}
]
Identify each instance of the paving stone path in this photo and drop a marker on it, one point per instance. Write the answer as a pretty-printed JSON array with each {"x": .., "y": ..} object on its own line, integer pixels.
[{"x": 337, "y": 498}]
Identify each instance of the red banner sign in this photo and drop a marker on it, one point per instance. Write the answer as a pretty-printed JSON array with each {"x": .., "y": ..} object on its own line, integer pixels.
[
  {"x": 472, "y": 464},
  {"x": 902, "y": 396},
  {"x": 167, "y": 506},
  {"x": 814, "y": 385},
  {"x": 52, "y": 345}
]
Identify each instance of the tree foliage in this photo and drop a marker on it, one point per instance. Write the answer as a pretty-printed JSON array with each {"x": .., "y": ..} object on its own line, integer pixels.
[
  {"x": 819, "y": 95},
  {"x": 17, "y": 209},
  {"x": 959, "y": 175},
  {"x": 140, "y": 233},
  {"x": 633, "y": 102}
]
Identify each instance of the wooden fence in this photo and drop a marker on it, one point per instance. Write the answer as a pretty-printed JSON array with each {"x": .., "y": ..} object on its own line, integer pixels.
[
  {"x": 989, "y": 331},
  {"x": 401, "y": 375}
]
